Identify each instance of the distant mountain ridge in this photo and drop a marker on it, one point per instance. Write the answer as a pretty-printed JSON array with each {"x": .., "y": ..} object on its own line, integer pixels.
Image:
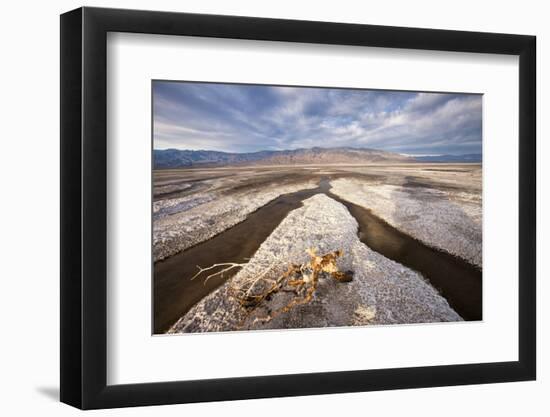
[
  {"x": 175, "y": 158},
  {"x": 470, "y": 157}
]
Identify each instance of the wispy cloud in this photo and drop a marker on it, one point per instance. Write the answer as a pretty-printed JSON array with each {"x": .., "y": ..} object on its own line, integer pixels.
[{"x": 245, "y": 118}]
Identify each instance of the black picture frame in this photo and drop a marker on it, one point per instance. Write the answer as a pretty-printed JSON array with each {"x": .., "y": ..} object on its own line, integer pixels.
[{"x": 84, "y": 207}]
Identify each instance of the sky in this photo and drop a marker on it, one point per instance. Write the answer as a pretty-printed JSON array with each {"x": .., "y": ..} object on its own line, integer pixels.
[{"x": 248, "y": 118}]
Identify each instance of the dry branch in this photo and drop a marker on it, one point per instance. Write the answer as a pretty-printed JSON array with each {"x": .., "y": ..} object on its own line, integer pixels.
[
  {"x": 299, "y": 279},
  {"x": 228, "y": 266}
]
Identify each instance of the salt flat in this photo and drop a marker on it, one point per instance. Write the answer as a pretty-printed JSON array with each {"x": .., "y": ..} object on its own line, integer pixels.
[
  {"x": 382, "y": 291},
  {"x": 444, "y": 219},
  {"x": 438, "y": 205},
  {"x": 186, "y": 221}
]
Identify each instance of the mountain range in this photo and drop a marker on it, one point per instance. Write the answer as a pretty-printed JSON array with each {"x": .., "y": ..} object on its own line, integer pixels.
[
  {"x": 469, "y": 157},
  {"x": 176, "y": 158}
]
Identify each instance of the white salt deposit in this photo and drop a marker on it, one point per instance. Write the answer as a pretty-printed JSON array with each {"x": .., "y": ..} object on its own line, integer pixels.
[
  {"x": 183, "y": 222},
  {"x": 381, "y": 292},
  {"x": 442, "y": 219}
]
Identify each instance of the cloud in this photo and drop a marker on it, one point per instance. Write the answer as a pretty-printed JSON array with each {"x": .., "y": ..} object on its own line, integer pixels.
[{"x": 245, "y": 118}]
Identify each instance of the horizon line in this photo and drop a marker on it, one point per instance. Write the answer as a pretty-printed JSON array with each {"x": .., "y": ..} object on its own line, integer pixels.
[{"x": 318, "y": 147}]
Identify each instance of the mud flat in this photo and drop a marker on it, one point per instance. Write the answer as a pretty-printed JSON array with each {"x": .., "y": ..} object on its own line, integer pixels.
[{"x": 382, "y": 291}]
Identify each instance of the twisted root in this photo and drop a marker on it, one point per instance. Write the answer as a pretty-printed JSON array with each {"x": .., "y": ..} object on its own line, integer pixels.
[{"x": 298, "y": 278}]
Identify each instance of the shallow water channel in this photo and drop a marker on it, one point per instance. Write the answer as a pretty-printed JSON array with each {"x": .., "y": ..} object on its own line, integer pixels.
[{"x": 174, "y": 293}]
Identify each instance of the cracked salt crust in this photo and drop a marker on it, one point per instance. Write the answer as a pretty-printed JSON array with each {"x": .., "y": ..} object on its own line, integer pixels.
[
  {"x": 448, "y": 220},
  {"x": 182, "y": 223},
  {"x": 382, "y": 291}
]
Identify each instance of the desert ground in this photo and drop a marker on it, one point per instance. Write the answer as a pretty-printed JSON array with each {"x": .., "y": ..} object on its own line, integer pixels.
[{"x": 403, "y": 243}]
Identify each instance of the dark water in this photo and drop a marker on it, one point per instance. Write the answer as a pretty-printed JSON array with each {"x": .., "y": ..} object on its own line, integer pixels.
[{"x": 174, "y": 292}]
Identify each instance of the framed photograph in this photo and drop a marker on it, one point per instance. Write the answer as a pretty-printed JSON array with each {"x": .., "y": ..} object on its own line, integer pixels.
[{"x": 257, "y": 207}]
